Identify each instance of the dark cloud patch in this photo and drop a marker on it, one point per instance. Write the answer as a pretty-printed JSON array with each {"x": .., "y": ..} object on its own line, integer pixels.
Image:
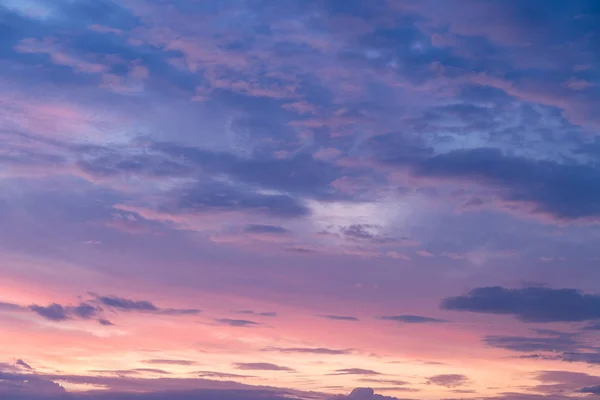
[
  {"x": 412, "y": 319},
  {"x": 271, "y": 229},
  {"x": 564, "y": 191},
  {"x": 590, "y": 390},
  {"x": 161, "y": 361},
  {"x": 355, "y": 371},
  {"x": 218, "y": 197},
  {"x": 532, "y": 344},
  {"x": 221, "y": 375},
  {"x": 532, "y": 304},
  {"x": 53, "y": 312},
  {"x": 259, "y": 314},
  {"x": 308, "y": 350},
  {"x": 24, "y": 365},
  {"x": 384, "y": 381},
  {"x": 301, "y": 174},
  {"x": 105, "y": 322},
  {"x": 364, "y": 233},
  {"x": 261, "y": 367},
  {"x": 240, "y": 323},
  {"x": 339, "y": 318},
  {"x": 364, "y": 394},
  {"x": 128, "y": 305},
  {"x": 448, "y": 380}
]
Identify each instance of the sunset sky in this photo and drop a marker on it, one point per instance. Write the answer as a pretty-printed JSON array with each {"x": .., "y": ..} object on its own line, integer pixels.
[{"x": 275, "y": 199}]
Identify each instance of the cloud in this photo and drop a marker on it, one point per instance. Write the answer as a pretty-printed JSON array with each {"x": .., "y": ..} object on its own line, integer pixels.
[
  {"x": 309, "y": 350},
  {"x": 23, "y": 364},
  {"x": 128, "y": 305},
  {"x": 170, "y": 362},
  {"x": 53, "y": 312},
  {"x": 221, "y": 375},
  {"x": 261, "y": 367},
  {"x": 242, "y": 323},
  {"x": 448, "y": 380},
  {"x": 259, "y": 314},
  {"x": 355, "y": 371},
  {"x": 590, "y": 390},
  {"x": 411, "y": 319},
  {"x": 564, "y": 191},
  {"x": 363, "y": 394},
  {"x": 532, "y": 304},
  {"x": 338, "y": 318},
  {"x": 272, "y": 229}
]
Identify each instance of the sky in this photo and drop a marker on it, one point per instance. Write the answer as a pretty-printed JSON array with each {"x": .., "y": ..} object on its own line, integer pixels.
[{"x": 299, "y": 199}]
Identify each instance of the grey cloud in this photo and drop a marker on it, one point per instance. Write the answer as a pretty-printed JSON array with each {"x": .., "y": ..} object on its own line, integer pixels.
[
  {"x": 309, "y": 350},
  {"x": 170, "y": 362},
  {"x": 532, "y": 344},
  {"x": 354, "y": 371},
  {"x": 565, "y": 191},
  {"x": 237, "y": 322},
  {"x": 214, "y": 374},
  {"x": 53, "y": 312},
  {"x": 448, "y": 380},
  {"x": 127, "y": 305},
  {"x": 412, "y": 319},
  {"x": 261, "y": 367},
  {"x": 23, "y": 364},
  {"x": 260, "y": 314},
  {"x": 256, "y": 228},
  {"x": 338, "y": 318},
  {"x": 532, "y": 304}
]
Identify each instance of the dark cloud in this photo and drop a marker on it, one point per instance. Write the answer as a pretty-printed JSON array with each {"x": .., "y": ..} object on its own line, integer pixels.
[
  {"x": 363, "y": 233},
  {"x": 385, "y": 381},
  {"x": 309, "y": 350},
  {"x": 590, "y": 390},
  {"x": 221, "y": 375},
  {"x": 261, "y": 367},
  {"x": 219, "y": 197},
  {"x": 363, "y": 394},
  {"x": 260, "y": 314},
  {"x": 128, "y": 305},
  {"x": 448, "y": 380},
  {"x": 170, "y": 362},
  {"x": 412, "y": 319},
  {"x": 105, "y": 322},
  {"x": 242, "y": 323},
  {"x": 265, "y": 229},
  {"x": 532, "y": 344},
  {"x": 53, "y": 312},
  {"x": 23, "y": 364},
  {"x": 338, "y": 318},
  {"x": 354, "y": 371},
  {"x": 533, "y": 304},
  {"x": 565, "y": 191}
]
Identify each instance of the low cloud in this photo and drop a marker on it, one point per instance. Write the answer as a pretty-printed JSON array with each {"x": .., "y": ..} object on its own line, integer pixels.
[
  {"x": 355, "y": 371},
  {"x": 448, "y": 380},
  {"x": 261, "y": 367},
  {"x": 338, "y": 318},
  {"x": 240, "y": 323},
  {"x": 412, "y": 319},
  {"x": 309, "y": 350}
]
